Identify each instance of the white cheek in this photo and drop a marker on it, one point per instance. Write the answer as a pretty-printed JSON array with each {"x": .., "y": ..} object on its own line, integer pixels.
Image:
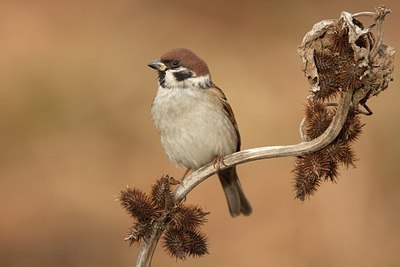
[{"x": 170, "y": 80}]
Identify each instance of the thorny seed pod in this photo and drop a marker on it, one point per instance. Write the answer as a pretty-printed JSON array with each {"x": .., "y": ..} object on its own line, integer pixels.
[
  {"x": 138, "y": 204},
  {"x": 159, "y": 210},
  {"x": 188, "y": 216},
  {"x": 339, "y": 55},
  {"x": 342, "y": 54},
  {"x": 161, "y": 192},
  {"x": 183, "y": 243}
]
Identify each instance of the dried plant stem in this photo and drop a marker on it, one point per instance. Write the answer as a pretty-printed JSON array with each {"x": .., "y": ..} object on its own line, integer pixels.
[{"x": 149, "y": 245}]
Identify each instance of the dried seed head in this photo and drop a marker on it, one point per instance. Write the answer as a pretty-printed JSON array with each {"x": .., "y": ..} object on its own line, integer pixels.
[
  {"x": 305, "y": 185},
  {"x": 198, "y": 245},
  {"x": 159, "y": 211},
  {"x": 138, "y": 204},
  {"x": 188, "y": 217},
  {"x": 342, "y": 55},
  {"x": 339, "y": 55},
  {"x": 161, "y": 192},
  {"x": 318, "y": 119},
  {"x": 332, "y": 174},
  {"x": 310, "y": 169},
  {"x": 181, "y": 244},
  {"x": 176, "y": 243},
  {"x": 352, "y": 128}
]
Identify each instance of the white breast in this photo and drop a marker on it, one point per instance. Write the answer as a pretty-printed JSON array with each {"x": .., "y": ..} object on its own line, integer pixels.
[{"x": 193, "y": 126}]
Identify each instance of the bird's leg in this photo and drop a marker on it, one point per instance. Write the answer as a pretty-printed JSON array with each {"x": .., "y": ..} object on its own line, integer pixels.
[{"x": 217, "y": 162}]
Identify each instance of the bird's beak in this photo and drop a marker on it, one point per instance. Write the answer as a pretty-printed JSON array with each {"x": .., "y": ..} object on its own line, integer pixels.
[{"x": 157, "y": 65}]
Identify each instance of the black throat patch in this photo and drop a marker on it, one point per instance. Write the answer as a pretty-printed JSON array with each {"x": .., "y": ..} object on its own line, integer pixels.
[{"x": 161, "y": 78}]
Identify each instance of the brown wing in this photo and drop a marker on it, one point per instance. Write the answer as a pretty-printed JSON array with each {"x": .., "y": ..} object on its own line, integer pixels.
[{"x": 228, "y": 110}]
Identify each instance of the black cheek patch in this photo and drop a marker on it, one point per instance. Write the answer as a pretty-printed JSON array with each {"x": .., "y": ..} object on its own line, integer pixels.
[
  {"x": 182, "y": 75},
  {"x": 161, "y": 78}
]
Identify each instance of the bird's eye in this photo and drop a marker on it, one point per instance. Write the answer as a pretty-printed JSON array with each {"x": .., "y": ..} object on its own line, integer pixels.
[{"x": 175, "y": 63}]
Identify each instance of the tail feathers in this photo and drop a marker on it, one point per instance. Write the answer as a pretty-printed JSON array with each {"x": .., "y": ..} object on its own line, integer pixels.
[{"x": 237, "y": 201}]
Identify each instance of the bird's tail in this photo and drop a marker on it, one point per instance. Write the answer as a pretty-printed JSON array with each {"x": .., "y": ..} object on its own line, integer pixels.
[{"x": 237, "y": 201}]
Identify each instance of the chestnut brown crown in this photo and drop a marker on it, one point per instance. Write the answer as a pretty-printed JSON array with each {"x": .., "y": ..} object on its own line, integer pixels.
[{"x": 186, "y": 58}]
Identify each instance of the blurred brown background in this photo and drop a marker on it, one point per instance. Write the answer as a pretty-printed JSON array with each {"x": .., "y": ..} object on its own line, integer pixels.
[{"x": 75, "y": 128}]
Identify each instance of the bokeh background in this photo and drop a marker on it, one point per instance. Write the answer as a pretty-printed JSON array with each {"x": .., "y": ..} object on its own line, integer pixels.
[{"x": 75, "y": 129}]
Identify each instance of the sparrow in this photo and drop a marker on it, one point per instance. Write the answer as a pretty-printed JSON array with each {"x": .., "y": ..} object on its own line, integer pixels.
[{"x": 195, "y": 121}]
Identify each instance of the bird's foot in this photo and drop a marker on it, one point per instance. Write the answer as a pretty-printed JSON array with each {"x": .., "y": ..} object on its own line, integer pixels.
[{"x": 218, "y": 162}]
